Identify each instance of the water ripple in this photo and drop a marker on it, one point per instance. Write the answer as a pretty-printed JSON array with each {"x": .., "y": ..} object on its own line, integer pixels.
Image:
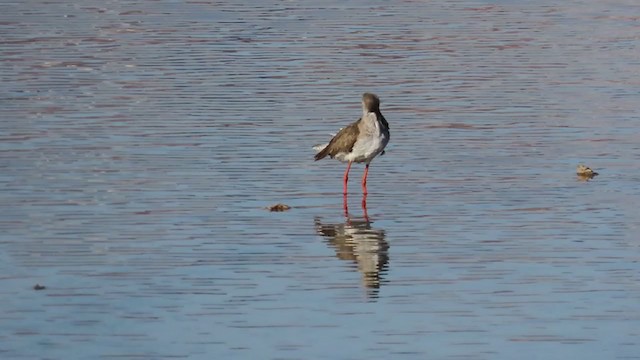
[{"x": 141, "y": 142}]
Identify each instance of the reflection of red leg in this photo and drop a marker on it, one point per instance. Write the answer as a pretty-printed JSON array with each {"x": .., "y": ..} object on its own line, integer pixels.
[
  {"x": 364, "y": 207},
  {"x": 364, "y": 179},
  {"x": 346, "y": 178}
]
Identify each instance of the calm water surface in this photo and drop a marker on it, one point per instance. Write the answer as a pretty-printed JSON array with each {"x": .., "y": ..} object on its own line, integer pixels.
[{"x": 140, "y": 143}]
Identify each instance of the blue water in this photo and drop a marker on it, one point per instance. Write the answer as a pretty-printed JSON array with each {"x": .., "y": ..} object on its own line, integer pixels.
[{"x": 141, "y": 143}]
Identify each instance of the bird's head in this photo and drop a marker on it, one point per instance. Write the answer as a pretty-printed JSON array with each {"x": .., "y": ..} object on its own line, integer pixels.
[{"x": 370, "y": 103}]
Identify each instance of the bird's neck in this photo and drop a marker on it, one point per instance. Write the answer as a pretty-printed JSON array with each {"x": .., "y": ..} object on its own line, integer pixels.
[
  {"x": 370, "y": 115},
  {"x": 370, "y": 120}
]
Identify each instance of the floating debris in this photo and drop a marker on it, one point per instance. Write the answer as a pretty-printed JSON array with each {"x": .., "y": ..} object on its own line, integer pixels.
[
  {"x": 279, "y": 207},
  {"x": 39, "y": 287},
  {"x": 585, "y": 171}
]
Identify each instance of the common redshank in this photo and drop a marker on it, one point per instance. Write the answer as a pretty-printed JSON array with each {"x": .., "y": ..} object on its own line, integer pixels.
[{"x": 359, "y": 142}]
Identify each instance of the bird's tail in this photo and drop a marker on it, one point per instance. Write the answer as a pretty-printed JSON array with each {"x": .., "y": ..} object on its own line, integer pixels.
[
  {"x": 322, "y": 150},
  {"x": 319, "y": 147}
]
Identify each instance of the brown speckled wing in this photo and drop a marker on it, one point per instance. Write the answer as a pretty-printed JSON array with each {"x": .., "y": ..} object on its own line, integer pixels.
[{"x": 342, "y": 142}]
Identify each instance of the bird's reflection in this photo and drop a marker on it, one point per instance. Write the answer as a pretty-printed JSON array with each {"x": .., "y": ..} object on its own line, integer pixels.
[{"x": 355, "y": 240}]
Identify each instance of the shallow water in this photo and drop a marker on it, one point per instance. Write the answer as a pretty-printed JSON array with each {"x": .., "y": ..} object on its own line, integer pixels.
[{"x": 142, "y": 141}]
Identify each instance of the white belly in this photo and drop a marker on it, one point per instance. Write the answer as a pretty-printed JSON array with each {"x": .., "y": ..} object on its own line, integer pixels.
[{"x": 365, "y": 149}]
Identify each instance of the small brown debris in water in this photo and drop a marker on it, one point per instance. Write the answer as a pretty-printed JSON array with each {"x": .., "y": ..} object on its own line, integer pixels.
[
  {"x": 39, "y": 287},
  {"x": 279, "y": 207},
  {"x": 585, "y": 171}
]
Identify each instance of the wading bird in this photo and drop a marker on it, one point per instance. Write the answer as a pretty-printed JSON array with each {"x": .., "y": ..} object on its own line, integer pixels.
[{"x": 359, "y": 142}]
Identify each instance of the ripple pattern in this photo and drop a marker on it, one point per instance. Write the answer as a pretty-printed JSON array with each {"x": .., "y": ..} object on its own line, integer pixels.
[{"x": 141, "y": 141}]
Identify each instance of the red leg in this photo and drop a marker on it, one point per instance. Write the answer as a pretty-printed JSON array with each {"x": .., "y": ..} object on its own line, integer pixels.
[
  {"x": 345, "y": 206},
  {"x": 364, "y": 207},
  {"x": 364, "y": 179},
  {"x": 346, "y": 178}
]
